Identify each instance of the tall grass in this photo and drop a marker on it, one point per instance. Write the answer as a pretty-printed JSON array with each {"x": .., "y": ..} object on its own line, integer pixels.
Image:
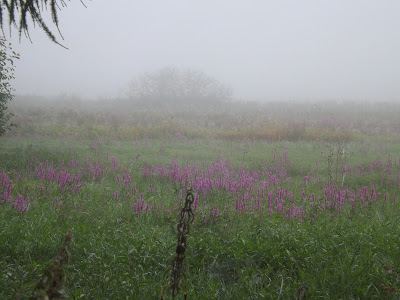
[{"x": 284, "y": 121}]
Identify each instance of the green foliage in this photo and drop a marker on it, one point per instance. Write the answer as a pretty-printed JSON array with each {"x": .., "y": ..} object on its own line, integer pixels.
[
  {"x": 7, "y": 57},
  {"x": 25, "y": 154}
]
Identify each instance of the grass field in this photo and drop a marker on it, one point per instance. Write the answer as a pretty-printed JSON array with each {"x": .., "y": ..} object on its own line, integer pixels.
[{"x": 306, "y": 211}]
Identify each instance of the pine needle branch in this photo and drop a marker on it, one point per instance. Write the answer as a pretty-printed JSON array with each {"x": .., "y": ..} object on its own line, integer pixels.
[{"x": 18, "y": 11}]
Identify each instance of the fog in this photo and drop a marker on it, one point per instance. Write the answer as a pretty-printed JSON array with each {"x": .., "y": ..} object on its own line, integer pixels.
[{"x": 264, "y": 50}]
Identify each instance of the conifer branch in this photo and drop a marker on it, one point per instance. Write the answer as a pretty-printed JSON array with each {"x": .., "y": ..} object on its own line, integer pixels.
[{"x": 18, "y": 11}]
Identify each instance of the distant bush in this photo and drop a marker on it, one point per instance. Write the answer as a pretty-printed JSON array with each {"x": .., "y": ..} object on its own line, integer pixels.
[{"x": 171, "y": 85}]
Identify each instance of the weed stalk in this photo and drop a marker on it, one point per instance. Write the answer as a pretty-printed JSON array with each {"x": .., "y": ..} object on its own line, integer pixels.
[
  {"x": 179, "y": 264},
  {"x": 50, "y": 286}
]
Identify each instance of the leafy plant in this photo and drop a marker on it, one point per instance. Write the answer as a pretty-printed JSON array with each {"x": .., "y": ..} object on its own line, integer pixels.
[{"x": 7, "y": 56}]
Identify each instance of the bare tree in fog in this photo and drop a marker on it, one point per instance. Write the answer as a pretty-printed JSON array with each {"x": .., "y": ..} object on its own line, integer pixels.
[{"x": 174, "y": 85}]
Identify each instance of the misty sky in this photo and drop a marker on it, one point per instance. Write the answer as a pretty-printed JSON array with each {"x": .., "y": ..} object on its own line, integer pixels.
[{"x": 265, "y": 50}]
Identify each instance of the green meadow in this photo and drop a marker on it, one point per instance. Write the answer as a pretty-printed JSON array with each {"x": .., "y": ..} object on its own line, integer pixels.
[{"x": 289, "y": 201}]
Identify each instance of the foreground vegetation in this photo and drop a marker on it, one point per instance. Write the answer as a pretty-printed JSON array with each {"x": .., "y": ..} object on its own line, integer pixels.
[{"x": 274, "y": 218}]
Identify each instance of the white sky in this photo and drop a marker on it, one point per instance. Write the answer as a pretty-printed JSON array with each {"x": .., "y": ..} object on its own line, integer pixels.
[{"x": 347, "y": 49}]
